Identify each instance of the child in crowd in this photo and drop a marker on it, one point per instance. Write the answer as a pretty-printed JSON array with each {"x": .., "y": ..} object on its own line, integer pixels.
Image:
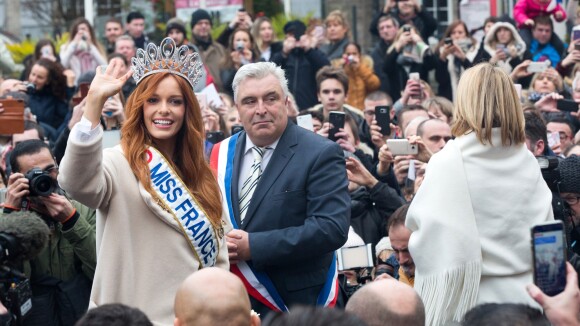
[{"x": 526, "y": 10}]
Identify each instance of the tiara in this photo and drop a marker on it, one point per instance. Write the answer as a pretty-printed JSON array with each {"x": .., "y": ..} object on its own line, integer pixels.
[{"x": 167, "y": 57}]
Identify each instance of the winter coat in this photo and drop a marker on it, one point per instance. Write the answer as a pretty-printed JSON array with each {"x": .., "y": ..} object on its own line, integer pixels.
[
  {"x": 370, "y": 211},
  {"x": 361, "y": 81},
  {"x": 334, "y": 50},
  {"x": 300, "y": 68},
  {"x": 530, "y": 9}
]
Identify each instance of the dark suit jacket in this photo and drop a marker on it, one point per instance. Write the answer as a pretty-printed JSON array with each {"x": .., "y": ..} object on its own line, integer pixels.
[{"x": 298, "y": 215}]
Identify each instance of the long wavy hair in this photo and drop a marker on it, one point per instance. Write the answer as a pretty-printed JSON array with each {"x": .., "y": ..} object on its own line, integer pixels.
[
  {"x": 56, "y": 80},
  {"x": 227, "y": 61},
  {"x": 189, "y": 157}
]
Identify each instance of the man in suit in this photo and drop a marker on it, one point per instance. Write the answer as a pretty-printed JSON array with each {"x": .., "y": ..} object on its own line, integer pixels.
[{"x": 286, "y": 188}]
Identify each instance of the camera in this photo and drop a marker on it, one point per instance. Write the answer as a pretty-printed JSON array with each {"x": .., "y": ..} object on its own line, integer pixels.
[
  {"x": 240, "y": 46},
  {"x": 41, "y": 183},
  {"x": 30, "y": 88},
  {"x": 84, "y": 38},
  {"x": 448, "y": 41}
]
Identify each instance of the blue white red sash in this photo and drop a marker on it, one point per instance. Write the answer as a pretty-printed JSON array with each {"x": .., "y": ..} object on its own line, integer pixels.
[
  {"x": 258, "y": 284},
  {"x": 192, "y": 220}
]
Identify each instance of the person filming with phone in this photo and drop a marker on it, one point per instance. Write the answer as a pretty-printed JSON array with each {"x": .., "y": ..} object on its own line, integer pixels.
[{"x": 489, "y": 221}]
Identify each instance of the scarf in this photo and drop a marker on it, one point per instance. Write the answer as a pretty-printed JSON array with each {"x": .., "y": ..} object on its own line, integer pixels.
[{"x": 471, "y": 223}]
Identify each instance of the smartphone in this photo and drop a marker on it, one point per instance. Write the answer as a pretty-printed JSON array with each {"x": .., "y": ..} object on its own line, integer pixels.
[
  {"x": 355, "y": 257},
  {"x": 553, "y": 138},
  {"x": 111, "y": 138},
  {"x": 305, "y": 121},
  {"x": 416, "y": 77},
  {"x": 383, "y": 117},
  {"x": 549, "y": 253},
  {"x": 575, "y": 33},
  {"x": 402, "y": 147},
  {"x": 214, "y": 137},
  {"x": 448, "y": 41},
  {"x": 535, "y": 67},
  {"x": 567, "y": 105},
  {"x": 12, "y": 119},
  {"x": 406, "y": 29},
  {"x": 236, "y": 128},
  {"x": 518, "y": 90},
  {"x": 336, "y": 119}
]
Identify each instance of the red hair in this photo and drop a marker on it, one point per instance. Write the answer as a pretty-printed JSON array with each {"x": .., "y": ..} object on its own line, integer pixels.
[{"x": 190, "y": 163}]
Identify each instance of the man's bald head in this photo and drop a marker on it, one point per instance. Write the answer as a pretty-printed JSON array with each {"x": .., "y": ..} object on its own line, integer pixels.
[
  {"x": 387, "y": 302},
  {"x": 212, "y": 296}
]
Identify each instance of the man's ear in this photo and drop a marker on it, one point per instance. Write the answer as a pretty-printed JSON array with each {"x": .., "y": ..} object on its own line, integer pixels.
[{"x": 540, "y": 147}]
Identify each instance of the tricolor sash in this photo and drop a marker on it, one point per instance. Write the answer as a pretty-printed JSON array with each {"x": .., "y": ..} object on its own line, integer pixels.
[
  {"x": 258, "y": 284},
  {"x": 193, "y": 222}
]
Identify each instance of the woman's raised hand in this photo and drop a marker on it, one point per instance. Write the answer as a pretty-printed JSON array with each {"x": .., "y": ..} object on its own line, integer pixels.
[{"x": 104, "y": 85}]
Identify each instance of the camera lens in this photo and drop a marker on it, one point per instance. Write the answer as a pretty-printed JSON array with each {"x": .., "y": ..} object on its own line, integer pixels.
[
  {"x": 42, "y": 185},
  {"x": 30, "y": 88}
]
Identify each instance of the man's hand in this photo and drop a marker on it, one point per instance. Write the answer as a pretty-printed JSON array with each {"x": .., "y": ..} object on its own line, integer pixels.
[
  {"x": 385, "y": 160},
  {"x": 288, "y": 45},
  {"x": 563, "y": 308},
  {"x": 238, "y": 246},
  {"x": 57, "y": 206},
  {"x": 401, "y": 167},
  {"x": 548, "y": 103},
  {"x": 424, "y": 154},
  {"x": 17, "y": 190},
  {"x": 357, "y": 173},
  {"x": 342, "y": 140},
  {"x": 521, "y": 71}
]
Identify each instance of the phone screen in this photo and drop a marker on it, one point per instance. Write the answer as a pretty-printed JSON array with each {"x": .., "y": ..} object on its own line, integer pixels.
[
  {"x": 355, "y": 257},
  {"x": 336, "y": 119},
  {"x": 549, "y": 246},
  {"x": 576, "y": 35}
]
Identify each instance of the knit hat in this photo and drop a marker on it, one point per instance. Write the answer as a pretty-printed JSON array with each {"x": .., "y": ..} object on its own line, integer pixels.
[
  {"x": 175, "y": 23},
  {"x": 384, "y": 244},
  {"x": 570, "y": 174},
  {"x": 296, "y": 27},
  {"x": 198, "y": 15}
]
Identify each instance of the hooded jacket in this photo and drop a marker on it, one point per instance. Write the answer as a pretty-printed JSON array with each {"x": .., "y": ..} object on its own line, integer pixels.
[{"x": 516, "y": 48}]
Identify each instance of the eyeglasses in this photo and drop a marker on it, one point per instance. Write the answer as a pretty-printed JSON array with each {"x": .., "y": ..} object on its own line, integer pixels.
[{"x": 572, "y": 200}]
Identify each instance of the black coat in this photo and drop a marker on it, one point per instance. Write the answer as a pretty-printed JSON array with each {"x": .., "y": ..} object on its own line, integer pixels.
[
  {"x": 370, "y": 211},
  {"x": 300, "y": 68}
]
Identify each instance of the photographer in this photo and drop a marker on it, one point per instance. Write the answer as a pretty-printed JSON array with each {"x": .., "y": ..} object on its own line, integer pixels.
[{"x": 61, "y": 275}]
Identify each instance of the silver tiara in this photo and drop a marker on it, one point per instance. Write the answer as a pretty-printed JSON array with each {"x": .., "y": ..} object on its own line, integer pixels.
[{"x": 166, "y": 57}]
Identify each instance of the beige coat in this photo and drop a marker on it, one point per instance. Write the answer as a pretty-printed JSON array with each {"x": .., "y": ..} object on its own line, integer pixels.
[{"x": 141, "y": 256}]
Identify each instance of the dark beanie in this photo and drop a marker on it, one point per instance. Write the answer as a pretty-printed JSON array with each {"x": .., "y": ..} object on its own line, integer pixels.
[
  {"x": 175, "y": 24},
  {"x": 570, "y": 174},
  {"x": 198, "y": 15},
  {"x": 296, "y": 27}
]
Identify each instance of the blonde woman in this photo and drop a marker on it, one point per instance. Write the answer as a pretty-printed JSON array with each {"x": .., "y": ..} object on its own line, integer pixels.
[
  {"x": 494, "y": 195},
  {"x": 265, "y": 38}
]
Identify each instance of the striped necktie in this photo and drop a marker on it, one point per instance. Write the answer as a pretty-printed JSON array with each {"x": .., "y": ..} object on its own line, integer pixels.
[{"x": 252, "y": 181}]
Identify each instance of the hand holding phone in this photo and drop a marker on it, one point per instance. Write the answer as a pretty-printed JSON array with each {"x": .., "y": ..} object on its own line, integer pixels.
[
  {"x": 383, "y": 118},
  {"x": 336, "y": 119}
]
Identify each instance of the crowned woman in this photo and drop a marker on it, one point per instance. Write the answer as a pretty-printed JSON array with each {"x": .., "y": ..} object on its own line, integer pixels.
[{"x": 159, "y": 213}]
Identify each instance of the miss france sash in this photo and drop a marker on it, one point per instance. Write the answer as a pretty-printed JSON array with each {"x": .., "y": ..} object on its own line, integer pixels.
[
  {"x": 192, "y": 220},
  {"x": 258, "y": 284}
]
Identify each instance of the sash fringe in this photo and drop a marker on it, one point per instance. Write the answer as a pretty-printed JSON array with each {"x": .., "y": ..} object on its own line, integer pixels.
[{"x": 438, "y": 292}]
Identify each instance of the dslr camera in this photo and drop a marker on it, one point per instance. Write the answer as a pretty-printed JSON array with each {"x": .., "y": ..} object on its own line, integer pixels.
[{"x": 41, "y": 183}]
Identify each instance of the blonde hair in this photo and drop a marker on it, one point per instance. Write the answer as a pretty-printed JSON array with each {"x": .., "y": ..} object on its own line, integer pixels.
[
  {"x": 486, "y": 99},
  {"x": 336, "y": 16},
  {"x": 557, "y": 79}
]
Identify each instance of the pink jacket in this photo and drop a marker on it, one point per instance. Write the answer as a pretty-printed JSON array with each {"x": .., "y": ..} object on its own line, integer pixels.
[{"x": 530, "y": 9}]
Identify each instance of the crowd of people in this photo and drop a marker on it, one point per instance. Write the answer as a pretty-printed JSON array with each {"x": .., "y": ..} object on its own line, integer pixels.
[{"x": 205, "y": 181}]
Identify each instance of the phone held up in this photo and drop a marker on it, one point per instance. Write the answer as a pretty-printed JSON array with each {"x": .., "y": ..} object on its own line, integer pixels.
[
  {"x": 382, "y": 115},
  {"x": 549, "y": 254},
  {"x": 336, "y": 120}
]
